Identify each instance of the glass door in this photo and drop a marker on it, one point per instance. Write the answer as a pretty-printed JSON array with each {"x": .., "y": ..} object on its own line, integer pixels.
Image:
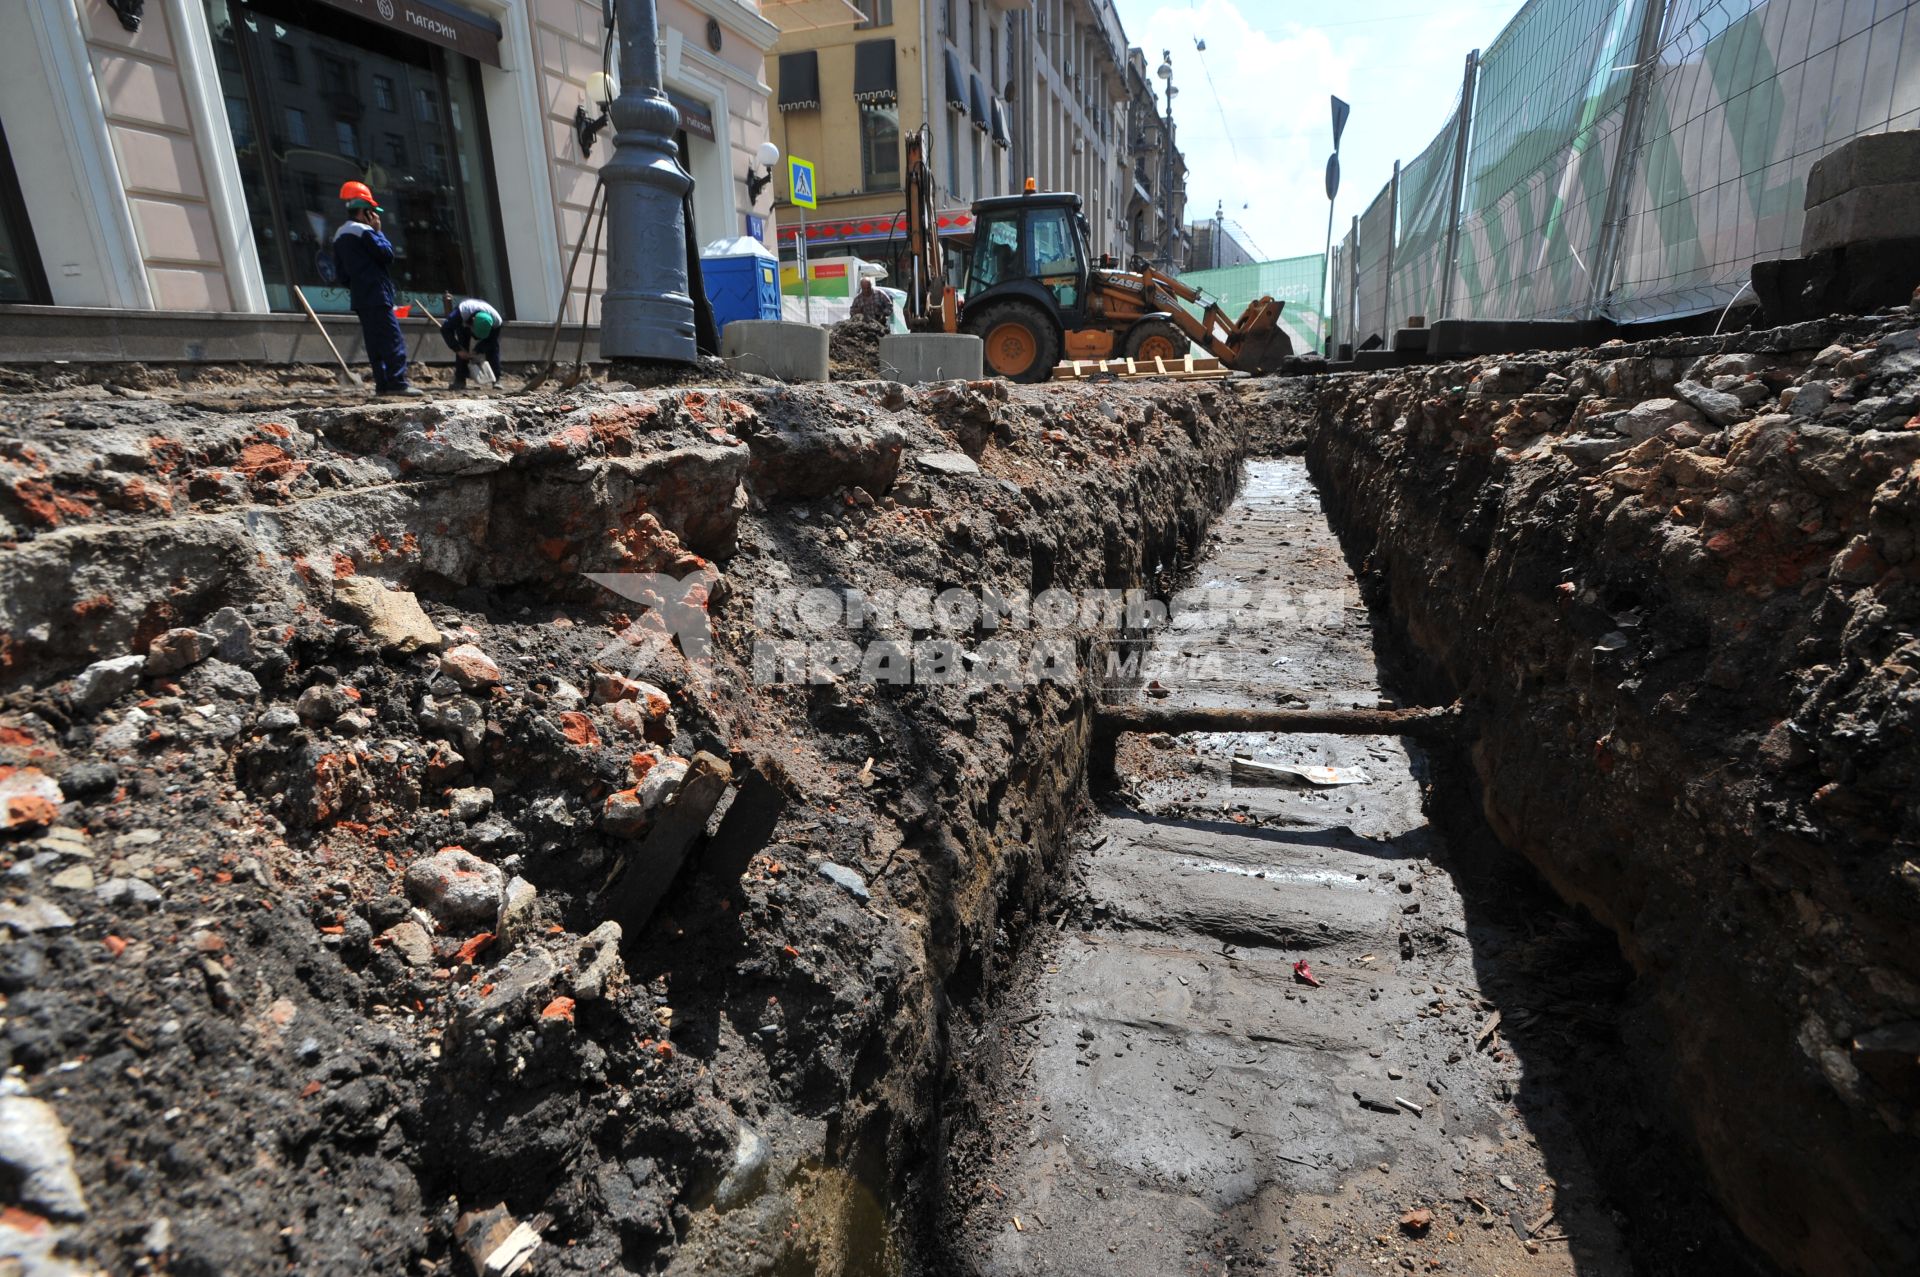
[{"x": 316, "y": 98}]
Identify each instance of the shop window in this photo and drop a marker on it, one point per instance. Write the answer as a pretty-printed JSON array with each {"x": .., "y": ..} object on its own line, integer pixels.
[
  {"x": 428, "y": 161},
  {"x": 879, "y": 147},
  {"x": 21, "y": 279}
]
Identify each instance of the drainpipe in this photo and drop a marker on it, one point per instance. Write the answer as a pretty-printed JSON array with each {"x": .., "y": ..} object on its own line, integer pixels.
[{"x": 647, "y": 312}]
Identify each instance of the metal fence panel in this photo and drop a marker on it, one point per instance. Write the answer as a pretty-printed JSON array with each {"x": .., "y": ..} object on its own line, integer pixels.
[
  {"x": 1552, "y": 93},
  {"x": 1419, "y": 253},
  {"x": 1747, "y": 95},
  {"x": 1375, "y": 250},
  {"x": 1341, "y": 318}
]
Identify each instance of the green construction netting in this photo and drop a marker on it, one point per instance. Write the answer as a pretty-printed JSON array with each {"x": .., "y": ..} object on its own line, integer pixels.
[
  {"x": 1741, "y": 97},
  {"x": 1294, "y": 280}
]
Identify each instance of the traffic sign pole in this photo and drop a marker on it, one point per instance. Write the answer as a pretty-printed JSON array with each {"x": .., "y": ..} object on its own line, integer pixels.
[{"x": 802, "y": 194}]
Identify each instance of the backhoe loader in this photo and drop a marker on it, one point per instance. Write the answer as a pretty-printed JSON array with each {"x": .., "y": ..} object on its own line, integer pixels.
[{"x": 1033, "y": 297}]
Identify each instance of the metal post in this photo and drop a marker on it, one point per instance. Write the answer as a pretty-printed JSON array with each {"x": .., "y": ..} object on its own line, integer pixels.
[
  {"x": 1457, "y": 190},
  {"x": 1393, "y": 239},
  {"x": 1613, "y": 226},
  {"x": 646, "y": 312},
  {"x": 1353, "y": 288},
  {"x": 806, "y": 264},
  {"x": 1326, "y": 289}
]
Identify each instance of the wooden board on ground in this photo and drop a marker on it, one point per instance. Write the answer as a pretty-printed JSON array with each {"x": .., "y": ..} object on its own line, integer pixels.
[{"x": 1190, "y": 368}]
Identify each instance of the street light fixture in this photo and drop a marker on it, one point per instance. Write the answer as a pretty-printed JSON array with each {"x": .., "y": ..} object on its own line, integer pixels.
[
  {"x": 768, "y": 155},
  {"x": 601, "y": 90}
]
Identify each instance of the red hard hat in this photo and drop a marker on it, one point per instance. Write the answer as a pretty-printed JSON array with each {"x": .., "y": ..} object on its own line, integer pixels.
[{"x": 356, "y": 191}]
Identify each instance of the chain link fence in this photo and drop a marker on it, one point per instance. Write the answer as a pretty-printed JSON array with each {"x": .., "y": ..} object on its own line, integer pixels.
[{"x": 1626, "y": 158}]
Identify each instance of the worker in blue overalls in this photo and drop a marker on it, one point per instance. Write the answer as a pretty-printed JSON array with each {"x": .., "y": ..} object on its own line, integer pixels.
[
  {"x": 361, "y": 255},
  {"x": 472, "y": 329}
]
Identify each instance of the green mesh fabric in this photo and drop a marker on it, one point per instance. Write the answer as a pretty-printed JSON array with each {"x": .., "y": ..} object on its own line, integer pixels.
[{"x": 1293, "y": 280}]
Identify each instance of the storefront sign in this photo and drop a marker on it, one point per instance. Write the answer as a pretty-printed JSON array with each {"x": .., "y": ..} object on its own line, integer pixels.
[
  {"x": 435, "y": 21},
  {"x": 695, "y": 117}
]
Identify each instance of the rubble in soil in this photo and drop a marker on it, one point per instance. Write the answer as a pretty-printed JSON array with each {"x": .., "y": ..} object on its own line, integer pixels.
[
  {"x": 1674, "y": 585},
  {"x": 339, "y": 930},
  {"x": 853, "y": 349}
]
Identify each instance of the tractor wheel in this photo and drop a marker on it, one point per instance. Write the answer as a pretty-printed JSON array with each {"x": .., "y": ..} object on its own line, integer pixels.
[
  {"x": 1156, "y": 339},
  {"x": 1020, "y": 342}
]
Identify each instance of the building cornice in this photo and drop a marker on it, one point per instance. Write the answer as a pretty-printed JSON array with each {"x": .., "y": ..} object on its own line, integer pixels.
[{"x": 760, "y": 33}]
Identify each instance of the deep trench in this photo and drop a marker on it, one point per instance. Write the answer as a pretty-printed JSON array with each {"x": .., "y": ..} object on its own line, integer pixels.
[{"x": 1561, "y": 1108}]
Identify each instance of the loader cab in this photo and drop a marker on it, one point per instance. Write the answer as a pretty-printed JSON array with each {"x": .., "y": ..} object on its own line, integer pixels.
[{"x": 1034, "y": 245}]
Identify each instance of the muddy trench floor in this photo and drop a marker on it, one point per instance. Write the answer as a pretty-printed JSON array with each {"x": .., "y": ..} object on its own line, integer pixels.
[{"x": 1459, "y": 1087}]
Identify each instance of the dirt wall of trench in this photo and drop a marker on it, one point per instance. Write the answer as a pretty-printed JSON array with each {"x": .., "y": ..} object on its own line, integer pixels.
[
  {"x": 262, "y": 1004},
  {"x": 1676, "y": 586}
]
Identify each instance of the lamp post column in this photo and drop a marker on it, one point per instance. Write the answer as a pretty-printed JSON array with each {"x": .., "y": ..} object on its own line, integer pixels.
[{"x": 647, "y": 312}]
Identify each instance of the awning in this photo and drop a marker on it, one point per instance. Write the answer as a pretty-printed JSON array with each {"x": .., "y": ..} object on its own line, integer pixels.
[
  {"x": 875, "y": 75},
  {"x": 695, "y": 117},
  {"x": 958, "y": 221},
  {"x": 800, "y": 81},
  {"x": 1000, "y": 135},
  {"x": 982, "y": 117},
  {"x": 956, "y": 83},
  {"x": 438, "y": 22}
]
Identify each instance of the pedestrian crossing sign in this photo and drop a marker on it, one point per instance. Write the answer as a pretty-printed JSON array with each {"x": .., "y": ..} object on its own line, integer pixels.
[{"x": 800, "y": 183}]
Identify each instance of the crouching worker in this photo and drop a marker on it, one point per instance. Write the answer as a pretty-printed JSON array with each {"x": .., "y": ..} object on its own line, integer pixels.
[
  {"x": 361, "y": 255},
  {"x": 472, "y": 329}
]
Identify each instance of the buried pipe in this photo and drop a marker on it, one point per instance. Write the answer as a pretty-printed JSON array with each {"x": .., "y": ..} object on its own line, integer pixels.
[{"x": 1109, "y": 721}]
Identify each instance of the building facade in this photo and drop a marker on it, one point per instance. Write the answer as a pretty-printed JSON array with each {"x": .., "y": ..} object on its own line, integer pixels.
[
  {"x": 1007, "y": 90},
  {"x": 1156, "y": 176},
  {"x": 1214, "y": 245},
  {"x": 192, "y": 162}
]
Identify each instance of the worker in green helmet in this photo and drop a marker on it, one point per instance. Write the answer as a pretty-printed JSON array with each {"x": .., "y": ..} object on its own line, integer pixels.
[{"x": 472, "y": 329}]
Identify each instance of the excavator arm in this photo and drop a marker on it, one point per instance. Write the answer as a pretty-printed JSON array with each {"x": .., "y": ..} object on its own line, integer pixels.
[
  {"x": 932, "y": 305},
  {"x": 1253, "y": 343}
]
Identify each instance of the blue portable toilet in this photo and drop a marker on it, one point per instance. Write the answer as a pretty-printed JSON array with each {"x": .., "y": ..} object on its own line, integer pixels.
[{"x": 743, "y": 280}]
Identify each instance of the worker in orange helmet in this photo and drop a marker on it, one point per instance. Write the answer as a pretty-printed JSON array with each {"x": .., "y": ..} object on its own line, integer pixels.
[{"x": 362, "y": 254}]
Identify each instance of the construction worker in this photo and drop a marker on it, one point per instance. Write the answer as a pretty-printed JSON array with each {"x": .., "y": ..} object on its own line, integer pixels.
[
  {"x": 472, "y": 325},
  {"x": 361, "y": 255},
  {"x": 872, "y": 305}
]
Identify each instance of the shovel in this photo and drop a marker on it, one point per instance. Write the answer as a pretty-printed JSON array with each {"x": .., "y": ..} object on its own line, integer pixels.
[
  {"x": 579, "y": 373},
  {"x": 545, "y": 374},
  {"x": 348, "y": 376}
]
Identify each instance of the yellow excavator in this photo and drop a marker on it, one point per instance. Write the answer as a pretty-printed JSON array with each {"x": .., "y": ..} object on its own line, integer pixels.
[{"x": 1034, "y": 297}]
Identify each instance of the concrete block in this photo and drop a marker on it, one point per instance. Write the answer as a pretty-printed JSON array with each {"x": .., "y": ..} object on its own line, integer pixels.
[
  {"x": 1862, "y": 215},
  {"x": 914, "y": 358},
  {"x": 1509, "y": 336},
  {"x": 1412, "y": 340},
  {"x": 774, "y": 348},
  {"x": 1876, "y": 159}
]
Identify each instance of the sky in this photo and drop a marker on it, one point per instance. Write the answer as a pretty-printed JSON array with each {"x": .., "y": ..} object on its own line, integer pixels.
[{"x": 1252, "y": 113}]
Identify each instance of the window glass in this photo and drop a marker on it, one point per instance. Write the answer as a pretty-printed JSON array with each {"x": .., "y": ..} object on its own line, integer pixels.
[
  {"x": 996, "y": 251},
  {"x": 1054, "y": 255},
  {"x": 424, "y": 154},
  {"x": 879, "y": 147},
  {"x": 21, "y": 279},
  {"x": 874, "y": 13}
]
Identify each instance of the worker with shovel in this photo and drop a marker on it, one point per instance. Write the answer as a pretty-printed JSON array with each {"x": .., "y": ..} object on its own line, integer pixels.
[
  {"x": 472, "y": 329},
  {"x": 361, "y": 255}
]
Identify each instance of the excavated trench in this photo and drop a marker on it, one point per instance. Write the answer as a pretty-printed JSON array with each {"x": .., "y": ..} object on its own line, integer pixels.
[{"x": 1447, "y": 1084}]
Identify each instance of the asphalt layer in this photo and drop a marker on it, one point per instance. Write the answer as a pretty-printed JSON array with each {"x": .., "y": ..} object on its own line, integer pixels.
[{"x": 1172, "y": 1095}]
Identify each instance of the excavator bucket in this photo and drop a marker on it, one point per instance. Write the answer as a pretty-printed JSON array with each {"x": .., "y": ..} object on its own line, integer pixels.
[{"x": 1259, "y": 344}]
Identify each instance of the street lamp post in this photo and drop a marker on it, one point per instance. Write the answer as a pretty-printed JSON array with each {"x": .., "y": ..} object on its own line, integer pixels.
[
  {"x": 647, "y": 312},
  {"x": 1171, "y": 228}
]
